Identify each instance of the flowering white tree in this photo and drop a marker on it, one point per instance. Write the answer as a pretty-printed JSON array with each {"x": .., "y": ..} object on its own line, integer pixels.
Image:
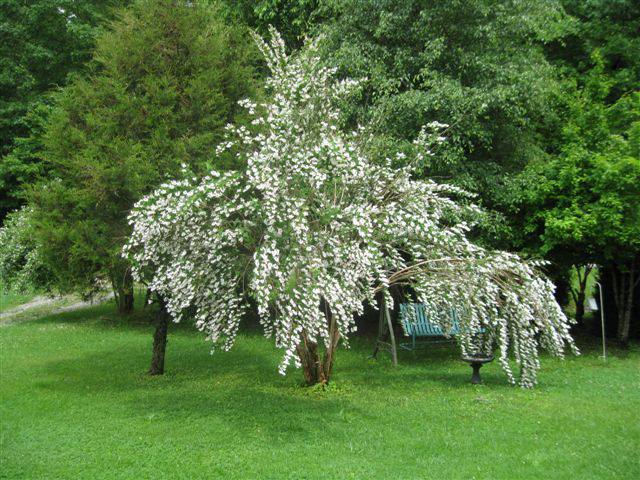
[{"x": 312, "y": 230}]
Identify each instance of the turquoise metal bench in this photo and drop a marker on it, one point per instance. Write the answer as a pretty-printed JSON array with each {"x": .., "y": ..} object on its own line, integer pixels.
[
  {"x": 420, "y": 326},
  {"x": 417, "y": 327}
]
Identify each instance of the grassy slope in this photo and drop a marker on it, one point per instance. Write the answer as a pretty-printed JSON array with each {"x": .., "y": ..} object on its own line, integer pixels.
[
  {"x": 8, "y": 300},
  {"x": 77, "y": 404}
]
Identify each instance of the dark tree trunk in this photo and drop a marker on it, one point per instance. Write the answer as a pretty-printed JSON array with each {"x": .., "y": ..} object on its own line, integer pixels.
[
  {"x": 579, "y": 294},
  {"x": 147, "y": 298},
  {"x": 123, "y": 291},
  {"x": 608, "y": 304},
  {"x": 310, "y": 360},
  {"x": 159, "y": 341},
  {"x": 624, "y": 280},
  {"x": 560, "y": 276},
  {"x": 125, "y": 305},
  {"x": 580, "y": 308}
]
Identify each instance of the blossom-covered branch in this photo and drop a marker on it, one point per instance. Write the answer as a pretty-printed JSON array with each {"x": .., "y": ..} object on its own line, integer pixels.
[{"x": 313, "y": 230}]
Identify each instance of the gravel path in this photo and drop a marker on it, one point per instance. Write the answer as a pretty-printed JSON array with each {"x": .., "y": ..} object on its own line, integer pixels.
[{"x": 58, "y": 304}]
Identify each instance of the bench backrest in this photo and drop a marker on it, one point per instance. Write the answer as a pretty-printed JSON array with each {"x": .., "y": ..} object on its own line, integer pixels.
[{"x": 420, "y": 326}]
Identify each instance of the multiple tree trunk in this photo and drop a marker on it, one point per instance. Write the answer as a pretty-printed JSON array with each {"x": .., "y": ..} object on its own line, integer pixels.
[
  {"x": 122, "y": 284},
  {"x": 621, "y": 290},
  {"x": 625, "y": 280},
  {"x": 579, "y": 294},
  {"x": 317, "y": 365},
  {"x": 317, "y": 361}
]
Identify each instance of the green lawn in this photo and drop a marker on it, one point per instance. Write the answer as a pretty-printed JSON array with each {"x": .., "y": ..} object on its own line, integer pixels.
[{"x": 77, "y": 404}]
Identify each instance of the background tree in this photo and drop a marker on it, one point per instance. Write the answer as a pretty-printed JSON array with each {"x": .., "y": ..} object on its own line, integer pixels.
[
  {"x": 41, "y": 42},
  {"x": 586, "y": 201},
  {"x": 609, "y": 26},
  {"x": 293, "y": 18},
  {"x": 478, "y": 66},
  {"x": 164, "y": 81},
  {"x": 599, "y": 61}
]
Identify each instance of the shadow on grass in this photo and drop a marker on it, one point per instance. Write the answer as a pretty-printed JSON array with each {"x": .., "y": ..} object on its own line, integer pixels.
[
  {"x": 241, "y": 389},
  {"x": 104, "y": 316},
  {"x": 439, "y": 364},
  {"x": 249, "y": 370}
]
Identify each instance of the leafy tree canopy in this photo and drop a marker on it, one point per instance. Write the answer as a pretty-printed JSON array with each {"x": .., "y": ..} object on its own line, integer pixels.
[
  {"x": 609, "y": 26},
  {"x": 594, "y": 187},
  {"x": 583, "y": 205},
  {"x": 478, "y": 66},
  {"x": 293, "y": 18}
]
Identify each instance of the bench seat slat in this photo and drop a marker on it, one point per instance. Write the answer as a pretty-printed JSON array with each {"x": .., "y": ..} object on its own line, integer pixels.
[{"x": 421, "y": 326}]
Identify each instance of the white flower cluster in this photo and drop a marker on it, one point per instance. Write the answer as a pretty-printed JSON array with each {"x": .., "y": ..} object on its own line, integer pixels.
[{"x": 312, "y": 230}]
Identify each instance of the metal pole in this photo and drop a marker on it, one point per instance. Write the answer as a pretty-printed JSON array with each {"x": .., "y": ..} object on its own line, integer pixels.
[{"x": 604, "y": 340}]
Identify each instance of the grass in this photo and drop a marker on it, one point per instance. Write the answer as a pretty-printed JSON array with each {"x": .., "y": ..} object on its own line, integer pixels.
[
  {"x": 9, "y": 300},
  {"x": 76, "y": 403}
]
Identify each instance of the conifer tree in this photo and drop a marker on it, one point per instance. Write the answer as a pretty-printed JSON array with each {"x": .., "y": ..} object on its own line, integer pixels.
[{"x": 164, "y": 81}]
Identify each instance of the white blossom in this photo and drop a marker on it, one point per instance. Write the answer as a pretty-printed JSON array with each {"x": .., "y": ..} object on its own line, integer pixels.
[{"x": 313, "y": 221}]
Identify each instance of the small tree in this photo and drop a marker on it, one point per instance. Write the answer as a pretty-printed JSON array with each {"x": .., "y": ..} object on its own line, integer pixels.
[
  {"x": 585, "y": 202},
  {"x": 165, "y": 80},
  {"x": 313, "y": 229}
]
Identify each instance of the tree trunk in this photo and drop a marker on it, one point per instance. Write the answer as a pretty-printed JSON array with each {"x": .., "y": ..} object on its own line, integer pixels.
[
  {"x": 580, "y": 308},
  {"x": 317, "y": 369},
  {"x": 123, "y": 291},
  {"x": 125, "y": 305},
  {"x": 560, "y": 276},
  {"x": 624, "y": 281},
  {"x": 580, "y": 294},
  {"x": 310, "y": 360},
  {"x": 159, "y": 340}
]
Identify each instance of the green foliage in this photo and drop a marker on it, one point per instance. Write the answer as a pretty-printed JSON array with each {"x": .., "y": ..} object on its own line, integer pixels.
[
  {"x": 610, "y": 26},
  {"x": 587, "y": 199},
  {"x": 10, "y": 299},
  {"x": 165, "y": 80},
  {"x": 23, "y": 165},
  {"x": 292, "y": 18},
  {"x": 478, "y": 66},
  {"x": 21, "y": 267},
  {"x": 582, "y": 207},
  {"x": 75, "y": 382},
  {"x": 41, "y": 42}
]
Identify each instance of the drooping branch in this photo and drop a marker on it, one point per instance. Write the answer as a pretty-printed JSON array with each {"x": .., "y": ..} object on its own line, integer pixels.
[{"x": 326, "y": 230}]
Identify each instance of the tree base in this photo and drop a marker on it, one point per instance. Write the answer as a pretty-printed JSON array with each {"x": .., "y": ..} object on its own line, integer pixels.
[{"x": 125, "y": 303}]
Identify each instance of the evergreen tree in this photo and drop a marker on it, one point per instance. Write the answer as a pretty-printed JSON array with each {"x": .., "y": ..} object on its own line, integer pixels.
[
  {"x": 41, "y": 42},
  {"x": 164, "y": 82}
]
